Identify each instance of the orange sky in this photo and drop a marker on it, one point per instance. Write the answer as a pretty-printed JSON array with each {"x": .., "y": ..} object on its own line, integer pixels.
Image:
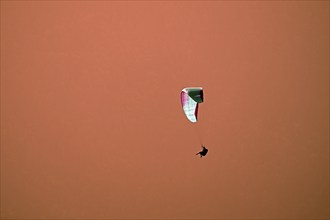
[{"x": 92, "y": 125}]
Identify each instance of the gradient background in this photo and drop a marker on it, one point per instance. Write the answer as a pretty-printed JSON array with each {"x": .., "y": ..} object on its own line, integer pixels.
[{"x": 92, "y": 125}]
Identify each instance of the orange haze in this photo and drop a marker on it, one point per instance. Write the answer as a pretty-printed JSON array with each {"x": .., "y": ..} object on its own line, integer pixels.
[{"x": 92, "y": 125}]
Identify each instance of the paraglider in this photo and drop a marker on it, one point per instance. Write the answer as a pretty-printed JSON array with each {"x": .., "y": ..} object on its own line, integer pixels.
[
  {"x": 203, "y": 152},
  {"x": 191, "y": 97}
]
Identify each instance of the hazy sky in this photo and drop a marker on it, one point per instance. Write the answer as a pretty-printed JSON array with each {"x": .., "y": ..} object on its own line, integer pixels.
[{"x": 92, "y": 124}]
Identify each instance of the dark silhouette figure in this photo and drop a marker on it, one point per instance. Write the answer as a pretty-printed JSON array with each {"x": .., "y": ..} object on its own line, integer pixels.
[{"x": 203, "y": 152}]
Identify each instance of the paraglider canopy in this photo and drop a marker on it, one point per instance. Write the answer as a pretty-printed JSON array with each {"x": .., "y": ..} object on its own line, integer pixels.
[{"x": 190, "y": 97}]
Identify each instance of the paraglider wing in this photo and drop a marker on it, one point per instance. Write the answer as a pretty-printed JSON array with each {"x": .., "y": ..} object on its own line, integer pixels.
[{"x": 190, "y": 97}]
